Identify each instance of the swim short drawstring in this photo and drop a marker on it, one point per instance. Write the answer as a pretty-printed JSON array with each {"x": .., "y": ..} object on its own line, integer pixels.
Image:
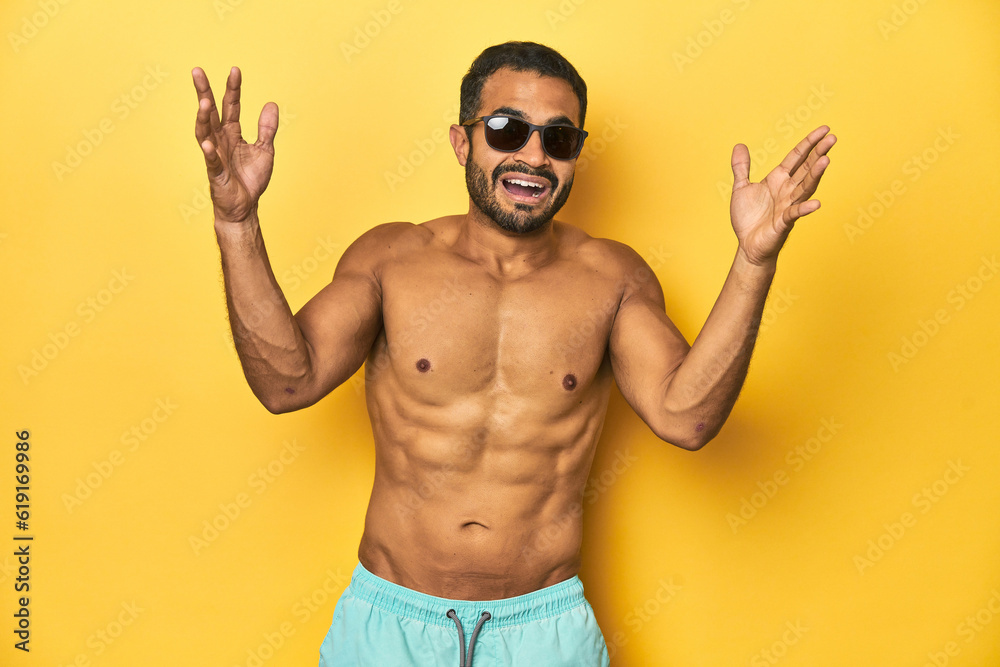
[{"x": 462, "y": 661}]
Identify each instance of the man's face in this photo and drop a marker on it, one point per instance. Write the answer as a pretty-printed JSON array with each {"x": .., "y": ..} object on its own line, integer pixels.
[{"x": 491, "y": 175}]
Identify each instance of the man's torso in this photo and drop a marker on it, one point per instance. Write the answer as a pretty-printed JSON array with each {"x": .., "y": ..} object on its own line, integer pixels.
[{"x": 487, "y": 390}]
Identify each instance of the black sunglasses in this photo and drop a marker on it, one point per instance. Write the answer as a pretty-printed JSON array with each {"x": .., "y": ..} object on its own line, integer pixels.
[{"x": 503, "y": 133}]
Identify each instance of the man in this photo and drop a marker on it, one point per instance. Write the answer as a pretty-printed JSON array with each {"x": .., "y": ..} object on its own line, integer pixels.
[{"x": 491, "y": 340}]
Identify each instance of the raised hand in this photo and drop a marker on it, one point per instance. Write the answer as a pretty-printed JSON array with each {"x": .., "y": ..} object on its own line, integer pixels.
[
  {"x": 763, "y": 213},
  {"x": 238, "y": 172}
]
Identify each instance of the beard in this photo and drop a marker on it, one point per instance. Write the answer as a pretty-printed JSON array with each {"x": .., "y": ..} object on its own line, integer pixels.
[{"x": 524, "y": 218}]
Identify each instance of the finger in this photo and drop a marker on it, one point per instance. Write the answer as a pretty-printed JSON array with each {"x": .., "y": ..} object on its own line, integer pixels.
[
  {"x": 267, "y": 126},
  {"x": 798, "y": 155},
  {"x": 212, "y": 160},
  {"x": 231, "y": 100},
  {"x": 741, "y": 166},
  {"x": 821, "y": 149},
  {"x": 205, "y": 93},
  {"x": 810, "y": 182},
  {"x": 202, "y": 124},
  {"x": 796, "y": 211}
]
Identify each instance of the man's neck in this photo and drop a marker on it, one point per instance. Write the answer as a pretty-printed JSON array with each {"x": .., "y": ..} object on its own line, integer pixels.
[{"x": 505, "y": 253}]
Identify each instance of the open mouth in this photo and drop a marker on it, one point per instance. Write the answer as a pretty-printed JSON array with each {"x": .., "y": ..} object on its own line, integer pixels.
[{"x": 523, "y": 189}]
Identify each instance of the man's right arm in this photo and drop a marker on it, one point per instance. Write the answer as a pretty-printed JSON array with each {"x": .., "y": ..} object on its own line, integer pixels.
[{"x": 291, "y": 362}]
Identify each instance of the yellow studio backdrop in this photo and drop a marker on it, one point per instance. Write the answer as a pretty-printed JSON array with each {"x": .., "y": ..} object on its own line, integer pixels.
[{"x": 846, "y": 515}]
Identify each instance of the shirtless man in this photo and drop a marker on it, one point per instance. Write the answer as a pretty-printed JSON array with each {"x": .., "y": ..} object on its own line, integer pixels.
[{"x": 491, "y": 340}]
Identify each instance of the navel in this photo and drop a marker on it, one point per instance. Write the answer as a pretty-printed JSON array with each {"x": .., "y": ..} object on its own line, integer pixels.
[
  {"x": 569, "y": 382},
  {"x": 423, "y": 365}
]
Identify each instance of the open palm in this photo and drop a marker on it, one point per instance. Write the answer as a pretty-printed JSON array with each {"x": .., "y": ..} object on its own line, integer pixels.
[
  {"x": 763, "y": 213},
  {"x": 238, "y": 172}
]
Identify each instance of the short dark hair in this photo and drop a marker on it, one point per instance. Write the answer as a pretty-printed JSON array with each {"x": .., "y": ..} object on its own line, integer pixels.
[{"x": 520, "y": 57}]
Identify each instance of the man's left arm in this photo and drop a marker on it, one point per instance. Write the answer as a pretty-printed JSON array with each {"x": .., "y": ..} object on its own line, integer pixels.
[{"x": 686, "y": 394}]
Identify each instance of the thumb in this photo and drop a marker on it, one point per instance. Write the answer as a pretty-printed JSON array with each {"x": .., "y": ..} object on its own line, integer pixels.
[
  {"x": 267, "y": 126},
  {"x": 741, "y": 166}
]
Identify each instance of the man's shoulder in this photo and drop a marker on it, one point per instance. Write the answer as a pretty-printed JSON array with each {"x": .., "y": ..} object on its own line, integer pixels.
[
  {"x": 608, "y": 255},
  {"x": 390, "y": 240},
  {"x": 389, "y": 232}
]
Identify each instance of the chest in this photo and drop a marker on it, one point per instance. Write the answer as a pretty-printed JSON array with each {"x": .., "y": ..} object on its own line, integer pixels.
[{"x": 449, "y": 323}]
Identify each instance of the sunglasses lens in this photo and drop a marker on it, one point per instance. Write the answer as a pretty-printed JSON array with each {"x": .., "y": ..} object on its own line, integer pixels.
[
  {"x": 561, "y": 142},
  {"x": 506, "y": 134},
  {"x": 511, "y": 134}
]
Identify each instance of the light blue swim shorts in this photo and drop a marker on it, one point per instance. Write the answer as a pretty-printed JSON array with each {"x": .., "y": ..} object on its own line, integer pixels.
[{"x": 379, "y": 623}]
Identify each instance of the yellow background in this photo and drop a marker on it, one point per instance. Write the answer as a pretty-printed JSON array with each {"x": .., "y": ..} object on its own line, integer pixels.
[{"x": 673, "y": 577}]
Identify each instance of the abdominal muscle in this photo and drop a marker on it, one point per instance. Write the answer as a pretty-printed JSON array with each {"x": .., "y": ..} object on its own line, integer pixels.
[{"x": 465, "y": 509}]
